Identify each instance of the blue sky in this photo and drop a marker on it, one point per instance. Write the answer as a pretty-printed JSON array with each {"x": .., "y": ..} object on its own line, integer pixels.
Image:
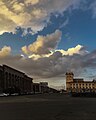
[{"x": 51, "y": 32}]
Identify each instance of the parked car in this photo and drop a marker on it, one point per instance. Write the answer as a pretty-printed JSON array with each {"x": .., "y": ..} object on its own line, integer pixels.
[{"x": 4, "y": 94}]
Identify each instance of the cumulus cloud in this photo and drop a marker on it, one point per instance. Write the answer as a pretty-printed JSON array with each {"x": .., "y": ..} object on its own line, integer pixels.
[
  {"x": 71, "y": 51},
  {"x": 46, "y": 46},
  {"x": 43, "y": 44},
  {"x": 5, "y": 51},
  {"x": 79, "y": 49},
  {"x": 30, "y": 13}
]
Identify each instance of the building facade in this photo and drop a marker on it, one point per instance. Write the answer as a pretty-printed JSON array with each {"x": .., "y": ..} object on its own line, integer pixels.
[
  {"x": 12, "y": 80},
  {"x": 78, "y": 84}
]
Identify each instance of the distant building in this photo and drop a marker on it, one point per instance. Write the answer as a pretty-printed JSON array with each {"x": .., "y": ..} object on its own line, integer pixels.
[
  {"x": 78, "y": 84},
  {"x": 12, "y": 80},
  {"x": 44, "y": 87},
  {"x": 36, "y": 87},
  {"x": 41, "y": 87}
]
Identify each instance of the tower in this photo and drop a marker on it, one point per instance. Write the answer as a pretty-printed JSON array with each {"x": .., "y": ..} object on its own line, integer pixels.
[{"x": 69, "y": 80}]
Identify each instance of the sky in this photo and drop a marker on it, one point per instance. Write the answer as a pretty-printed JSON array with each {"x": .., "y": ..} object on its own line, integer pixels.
[{"x": 47, "y": 38}]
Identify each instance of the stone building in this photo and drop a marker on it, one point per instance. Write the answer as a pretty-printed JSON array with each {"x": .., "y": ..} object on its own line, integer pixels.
[
  {"x": 12, "y": 80},
  {"x": 78, "y": 84}
]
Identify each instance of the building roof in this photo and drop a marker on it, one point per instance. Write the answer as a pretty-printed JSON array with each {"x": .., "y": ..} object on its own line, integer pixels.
[
  {"x": 13, "y": 69},
  {"x": 5, "y": 66}
]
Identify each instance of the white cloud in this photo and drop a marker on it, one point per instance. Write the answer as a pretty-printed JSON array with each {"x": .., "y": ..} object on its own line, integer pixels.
[
  {"x": 5, "y": 51},
  {"x": 30, "y": 13},
  {"x": 71, "y": 51},
  {"x": 43, "y": 44},
  {"x": 46, "y": 46}
]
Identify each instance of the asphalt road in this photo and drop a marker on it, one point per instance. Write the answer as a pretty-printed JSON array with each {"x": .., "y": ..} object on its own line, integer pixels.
[{"x": 47, "y": 107}]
